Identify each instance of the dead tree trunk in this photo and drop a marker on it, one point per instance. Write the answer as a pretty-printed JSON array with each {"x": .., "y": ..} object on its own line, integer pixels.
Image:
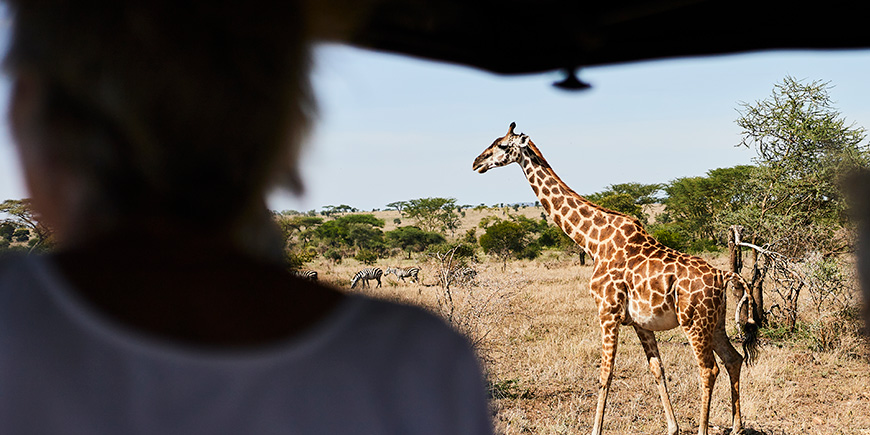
[
  {"x": 736, "y": 254},
  {"x": 736, "y": 262},
  {"x": 757, "y": 289},
  {"x": 444, "y": 269}
]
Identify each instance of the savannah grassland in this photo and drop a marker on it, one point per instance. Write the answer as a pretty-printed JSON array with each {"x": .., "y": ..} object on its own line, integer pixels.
[{"x": 536, "y": 331}]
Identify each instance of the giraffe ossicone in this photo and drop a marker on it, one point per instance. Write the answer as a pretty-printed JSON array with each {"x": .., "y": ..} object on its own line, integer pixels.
[{"x": 637, "y": 281}]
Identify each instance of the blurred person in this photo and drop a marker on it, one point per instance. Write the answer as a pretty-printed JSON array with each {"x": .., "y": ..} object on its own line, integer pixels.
[{"x": 149, "y": 132}]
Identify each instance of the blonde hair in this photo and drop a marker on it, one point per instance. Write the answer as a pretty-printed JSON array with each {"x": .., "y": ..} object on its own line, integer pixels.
[{"x": 193, "y": 109}]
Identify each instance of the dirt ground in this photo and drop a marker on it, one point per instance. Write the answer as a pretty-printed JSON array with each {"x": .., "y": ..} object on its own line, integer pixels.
[{"x": 535, "y": 327}]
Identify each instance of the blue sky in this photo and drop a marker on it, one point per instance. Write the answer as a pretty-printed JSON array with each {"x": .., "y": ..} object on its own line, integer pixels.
[{"x": 394, "y": 128}]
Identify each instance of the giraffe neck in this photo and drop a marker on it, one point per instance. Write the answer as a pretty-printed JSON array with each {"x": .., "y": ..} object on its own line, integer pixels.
[{"x": 579, "y": 218}]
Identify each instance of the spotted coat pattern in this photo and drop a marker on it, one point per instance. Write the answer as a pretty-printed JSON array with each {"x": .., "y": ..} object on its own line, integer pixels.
[{"x": 637, "y": 281}]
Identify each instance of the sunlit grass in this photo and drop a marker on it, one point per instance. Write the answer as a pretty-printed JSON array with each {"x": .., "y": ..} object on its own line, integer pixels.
[{"x": 540, "y": 344}]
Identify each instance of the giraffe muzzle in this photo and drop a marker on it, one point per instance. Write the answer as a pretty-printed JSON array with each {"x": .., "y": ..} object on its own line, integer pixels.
[{"x": 480, "y": 166}]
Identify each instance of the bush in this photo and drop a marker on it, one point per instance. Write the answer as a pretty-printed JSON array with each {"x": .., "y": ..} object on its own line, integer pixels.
[
  {"x": 6, "y": 230},
  {"x": 293, "y": 260},
  {"x": 470, "y": 237},
  {"x": 464, "y": 250},
  {"x": 530, "y": 252},
  {"x": 838, "y": 331},
  {"x": 702, "y": 245},
  {"x": 668, "y": 235},
  {"x": 552, "y": 236},
  {"x": 333, "y": 255},
  {"x": 503, "y": 238},
  {"x": 366, "y": 257},
  {"x": 412, "y": 239},
  {"x": 21, "y": 235},
  {"x": 297, "y": 258}
]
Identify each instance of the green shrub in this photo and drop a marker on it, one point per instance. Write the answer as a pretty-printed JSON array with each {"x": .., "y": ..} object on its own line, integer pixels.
[
  {"x": 552, "y": 236},
  {"x": 463, "y": 250},
  {"x": 298, "y": 257},
  {"x": 668, "y": 235},
  {"x": 366, "y": 256},
  {"x": 470, "y": 237},
  {"x": 6, "y": 230},
  {"x": 703, "y": 245},
  {"x": 21, "y": 235},
  {"x": 529, "y": 252},
  {"x": 333, "y": 255}
]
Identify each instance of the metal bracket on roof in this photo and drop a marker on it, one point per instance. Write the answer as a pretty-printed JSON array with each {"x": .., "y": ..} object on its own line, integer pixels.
[{"x": 571, "y": 82}]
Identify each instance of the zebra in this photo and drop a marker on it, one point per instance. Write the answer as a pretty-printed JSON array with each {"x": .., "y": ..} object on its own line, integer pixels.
[
  {"x": 365, "y": 275},
  {"x": 401, "y": 273},
  {"x": 310, "y": 275},
  {"x": 463, "y": 274}
]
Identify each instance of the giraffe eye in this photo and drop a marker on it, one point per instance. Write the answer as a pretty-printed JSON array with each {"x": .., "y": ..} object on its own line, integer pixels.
[{"x": 503, "y": 146}]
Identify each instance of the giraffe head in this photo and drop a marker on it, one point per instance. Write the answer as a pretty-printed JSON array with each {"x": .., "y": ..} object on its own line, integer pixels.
[{"x": 503, "y": 151}]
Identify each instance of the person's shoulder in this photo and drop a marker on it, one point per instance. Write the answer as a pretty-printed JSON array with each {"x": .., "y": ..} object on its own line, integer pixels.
[
  {"x": 392, "y": 311},
  {"x": 20, "y": 274},
  {"x": 12, "y": 262},
  {"x": 406, "y": 323}
]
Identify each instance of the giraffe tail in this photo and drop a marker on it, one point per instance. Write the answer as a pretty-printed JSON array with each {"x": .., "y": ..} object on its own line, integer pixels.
[{"x": 749, "y": 328}]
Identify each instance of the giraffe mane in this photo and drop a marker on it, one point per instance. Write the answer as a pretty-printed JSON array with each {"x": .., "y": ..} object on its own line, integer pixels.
[{"x": 536, "y": 156}]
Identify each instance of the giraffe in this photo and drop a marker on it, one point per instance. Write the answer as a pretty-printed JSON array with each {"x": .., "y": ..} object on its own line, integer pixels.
[{"x": 637, "y": 281}]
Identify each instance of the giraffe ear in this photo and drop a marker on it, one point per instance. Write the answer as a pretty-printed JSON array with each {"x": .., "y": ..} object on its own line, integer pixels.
[{"x": 524, "y": 140}]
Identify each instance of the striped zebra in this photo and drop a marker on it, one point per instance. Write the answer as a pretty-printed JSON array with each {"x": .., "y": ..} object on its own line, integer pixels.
[
  {"x": 310, "y": 275},
  {"x": 365, "y": 275},
  {"x": 463, "y": 274},
  {"x": 401, "y": 273}
]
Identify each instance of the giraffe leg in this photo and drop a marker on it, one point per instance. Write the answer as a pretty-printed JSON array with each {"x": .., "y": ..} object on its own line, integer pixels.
[
  {"x": 609, "y": 339},
  {"x": 733, "y": 362},
  {"x": 648, "y": 340},
  {"x": 702, "y": 344}
]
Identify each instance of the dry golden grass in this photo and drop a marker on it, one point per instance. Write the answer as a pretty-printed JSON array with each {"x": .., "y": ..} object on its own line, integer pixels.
[{"x": 536, "y": 330}]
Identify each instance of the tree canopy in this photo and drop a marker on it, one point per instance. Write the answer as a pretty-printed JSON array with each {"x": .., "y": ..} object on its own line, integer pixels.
[
  {"x": 430, "y": 214},
  {"x": 355, "y": 232},
  {"x": 804, "y": 147},
  {"x": 696, "y": 203},
  {"x": 628, "y": 198},
  {"x": 504, "y": 239},
  {"x": 412, "y": 239}
]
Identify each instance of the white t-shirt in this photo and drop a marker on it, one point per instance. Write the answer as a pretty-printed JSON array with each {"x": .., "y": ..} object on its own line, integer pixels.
[{"x": 370, "y": 367}]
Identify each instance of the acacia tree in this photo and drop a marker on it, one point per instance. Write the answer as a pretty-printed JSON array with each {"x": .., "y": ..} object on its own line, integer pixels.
[
  {"x": 504, "y": 239},
  {"x": 797, "y": 210},
  {"x": 695, "y": 204},
  {"x": 803, "y": 149},
  {"x": 329, "y": 210},
  {"x": 20, "y": 214},
  {"x": 628, "y": 198},
  {"x": 397, "y": 205},
  {"x": 430, "y": 214},
  {"x": 298, "y": 226},
  {"x": 351, "y": 234},
  {"x": 412, "y": 239}
]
